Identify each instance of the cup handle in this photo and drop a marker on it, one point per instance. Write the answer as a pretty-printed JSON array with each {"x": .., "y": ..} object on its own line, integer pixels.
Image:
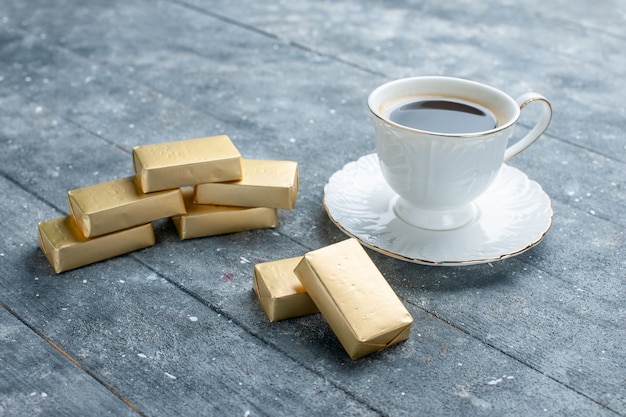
[{"x": 540, "y": 127}]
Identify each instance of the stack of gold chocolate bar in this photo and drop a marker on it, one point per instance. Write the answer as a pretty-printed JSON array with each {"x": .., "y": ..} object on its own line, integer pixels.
[
  {"x": 342, "y": 283},
  {"x": 203, "y": 184}
]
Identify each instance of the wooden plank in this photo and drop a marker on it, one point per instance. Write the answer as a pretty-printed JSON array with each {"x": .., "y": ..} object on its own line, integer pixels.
[
  {"x": 440, "y": 368},
  {"x": 37, "y": 379},
  {"x": 566, "y": 326},
  {"x": 558, "y": 49},
  {"x": 162, "y": 349},
  {"x": 117, "y": 76}
]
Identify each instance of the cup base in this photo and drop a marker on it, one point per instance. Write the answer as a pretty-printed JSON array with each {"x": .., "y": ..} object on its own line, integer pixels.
[{"x": 446, "y": 219}]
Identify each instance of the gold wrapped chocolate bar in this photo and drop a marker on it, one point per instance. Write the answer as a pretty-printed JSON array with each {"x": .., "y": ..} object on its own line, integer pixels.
[
  {"x": 354, "y": 297},
  {"x": 263, "y": 184},
  {"x": 281, "y": 294},
  {"x": 119, "y": 204},
  {"x": 164, "y": 166},
  {"x": 208, "y": 220},
  {"x": 66, "y": 248}
]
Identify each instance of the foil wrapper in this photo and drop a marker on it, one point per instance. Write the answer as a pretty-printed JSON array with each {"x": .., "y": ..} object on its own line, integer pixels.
[
  {"x": 66, "y": 248},
  {"x": 204, "y": 220},
  {"x": 354, "y": 298},
  {"x": 264, "y": 183},
  {"x": 280, "y": 292},
  {"x": 120, "y": 204},
  {"x": 171, "y": 165}
]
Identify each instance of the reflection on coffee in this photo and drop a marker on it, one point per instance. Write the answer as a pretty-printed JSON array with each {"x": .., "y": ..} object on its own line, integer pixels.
[{"x": 442, "y": 116}]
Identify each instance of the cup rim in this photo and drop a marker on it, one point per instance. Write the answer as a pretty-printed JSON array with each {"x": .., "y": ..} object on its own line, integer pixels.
[{"x": 509, "y": 122}]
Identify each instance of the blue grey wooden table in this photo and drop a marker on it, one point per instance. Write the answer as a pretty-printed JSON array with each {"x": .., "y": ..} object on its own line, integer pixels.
[{"x": 175, "y": 329}]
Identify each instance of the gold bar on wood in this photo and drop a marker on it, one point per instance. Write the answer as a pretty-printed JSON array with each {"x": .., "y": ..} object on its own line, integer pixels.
[
  {"x": 204, "y": 220},
  {"x": 280, "y": 292},
  {"x": 264, "y": 183},
  {"x": 66, "y": 248},
  {"x": 354, "y": 297},
  {"x": 164, "y": 166},
  {"x": 120, "y": 204}
]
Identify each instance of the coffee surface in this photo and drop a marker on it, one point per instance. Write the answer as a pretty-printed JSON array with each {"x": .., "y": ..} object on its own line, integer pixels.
[{"x": 442, "y": 116}]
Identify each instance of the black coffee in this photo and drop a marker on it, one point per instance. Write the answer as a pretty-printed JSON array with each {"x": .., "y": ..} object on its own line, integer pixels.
[{"x": 442, "y": 116}]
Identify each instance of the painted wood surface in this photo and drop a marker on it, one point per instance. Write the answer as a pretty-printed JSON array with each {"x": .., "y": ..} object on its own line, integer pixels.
[{"x": 175, "y": 329}]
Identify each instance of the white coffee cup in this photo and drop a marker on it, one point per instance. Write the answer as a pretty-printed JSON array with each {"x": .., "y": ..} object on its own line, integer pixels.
[{"x": 438, "y": 175}]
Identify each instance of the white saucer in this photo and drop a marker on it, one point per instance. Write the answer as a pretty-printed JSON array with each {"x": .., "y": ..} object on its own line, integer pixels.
[{"x": 514, "y": 214}]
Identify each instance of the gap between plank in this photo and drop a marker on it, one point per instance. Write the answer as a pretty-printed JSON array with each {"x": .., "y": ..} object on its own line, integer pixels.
[{"x": 56, "y": 347}]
